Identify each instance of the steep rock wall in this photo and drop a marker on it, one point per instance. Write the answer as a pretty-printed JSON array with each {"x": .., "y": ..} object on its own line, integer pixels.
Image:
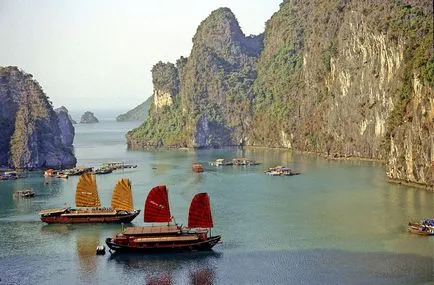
[
  {"x": 356, "y": 81},
  {"x": 31, "y": 137},
  {"x": 66, "y": 127},
  {"x": 343, "y": 78}
]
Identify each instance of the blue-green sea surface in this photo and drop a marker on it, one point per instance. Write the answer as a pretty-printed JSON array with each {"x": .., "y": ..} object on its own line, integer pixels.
[{"x": 338, "y": 222}]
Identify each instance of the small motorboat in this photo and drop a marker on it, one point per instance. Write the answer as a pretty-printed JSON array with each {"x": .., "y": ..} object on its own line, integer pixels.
[
  {"x": 423, "y": 227},
  {"x": 27, "y": 193},
  {"x": 100, "y": 250}
]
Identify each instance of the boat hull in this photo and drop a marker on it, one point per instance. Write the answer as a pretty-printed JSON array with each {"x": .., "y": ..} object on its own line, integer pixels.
[
  {"x": 200, "y": 245},
  {"x": 423, "y": 230},
  {"x": 60, "y": 218}
]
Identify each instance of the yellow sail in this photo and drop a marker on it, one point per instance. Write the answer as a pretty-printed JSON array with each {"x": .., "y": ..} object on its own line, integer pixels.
[
  {"x": 87, "y": 194},
  {"x": 122, "y": 197}
]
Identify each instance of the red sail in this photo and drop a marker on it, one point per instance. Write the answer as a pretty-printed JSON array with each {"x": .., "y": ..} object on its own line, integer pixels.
[
  {"x": 157, "y": 208},
  {"x": 199, "y": 215}
]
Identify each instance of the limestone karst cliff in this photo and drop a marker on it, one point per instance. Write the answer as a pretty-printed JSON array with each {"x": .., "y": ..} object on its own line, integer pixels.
[
  {"x": 30, "y": 134},
  {"x": 88, "y": 118},
  {"x": 193, "y": 103},
  {"x": 343, "y": 78},
  {"x": 67, "y": 130}
]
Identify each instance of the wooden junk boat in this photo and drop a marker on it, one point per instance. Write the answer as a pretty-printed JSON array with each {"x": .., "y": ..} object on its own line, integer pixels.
[
  {"x": 161, "y": 238},
  {"x": 88, "y": 205}
]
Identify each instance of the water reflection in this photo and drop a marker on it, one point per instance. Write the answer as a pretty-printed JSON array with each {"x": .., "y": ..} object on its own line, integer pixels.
[
  {"x": 56, "y": 229},
  {"x": 203, "y": 276},
  {"x": 198, "y": 267},
  {"x": 87, "y": 258},
  {"x": 162, "y": 279}
]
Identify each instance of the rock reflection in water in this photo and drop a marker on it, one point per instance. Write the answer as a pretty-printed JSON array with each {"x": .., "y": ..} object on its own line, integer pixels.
[{"x": 196, "y": 268}]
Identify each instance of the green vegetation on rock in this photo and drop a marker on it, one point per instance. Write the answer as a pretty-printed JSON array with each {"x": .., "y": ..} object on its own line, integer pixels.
[
  {"x": 139, "y": 113},
  {"x": 343, "y": 78},
  {"x": 30, "y": 136}
]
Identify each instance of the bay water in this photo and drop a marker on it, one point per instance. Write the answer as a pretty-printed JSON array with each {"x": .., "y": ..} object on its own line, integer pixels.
[{"x": 338, "y": 222}]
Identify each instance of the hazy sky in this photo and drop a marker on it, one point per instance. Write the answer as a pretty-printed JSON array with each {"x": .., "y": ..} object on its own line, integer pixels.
[{"x": 94, "y": 55}]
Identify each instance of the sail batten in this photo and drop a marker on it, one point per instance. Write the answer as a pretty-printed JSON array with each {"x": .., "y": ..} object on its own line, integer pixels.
[
  {"x": 86, "y": 194},
  {"x": 122, "y": 196},
  {"x": 157, "y": 208},
  {"x": 199, "y": 215}
]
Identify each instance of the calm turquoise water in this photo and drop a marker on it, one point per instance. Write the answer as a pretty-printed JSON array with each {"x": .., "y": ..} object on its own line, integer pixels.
[{"x": 338, "y": 222}]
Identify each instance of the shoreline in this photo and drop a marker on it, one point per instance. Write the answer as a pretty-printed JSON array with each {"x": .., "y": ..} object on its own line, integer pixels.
[
  {"x": 411, "y": 184},
  {"x": 332, "y": 157}
]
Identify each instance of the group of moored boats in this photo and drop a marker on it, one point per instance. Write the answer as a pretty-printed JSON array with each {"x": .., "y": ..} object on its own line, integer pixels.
[
  {"x": 235, "y": 161},
  {"x": 105, "y": 168},
  {"x": 152, "y": 238},
  {"x": 273, "y": 171}
]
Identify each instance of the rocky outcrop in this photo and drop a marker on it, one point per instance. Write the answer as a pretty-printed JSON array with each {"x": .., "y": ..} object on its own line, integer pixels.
[
  {"x": 139, "y": 113},
  {"x": 193, "y": 103},
  {"x": 88, "y": 118},
  {"x": 360, "y": 85},
  {"x": 30, "y": 134},
  {"x": 165, "y": 78},
  {"x": 410, "y": 156},
  {"x": 340, "y": 78},
  {"x": 65, "y": 123}
]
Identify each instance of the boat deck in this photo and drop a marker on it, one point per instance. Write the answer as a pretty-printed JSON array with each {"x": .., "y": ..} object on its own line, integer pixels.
[
  {"x": 167, "y": 239},
  {"x": 91, "y": 213},
  {"x": 52, "y": 211},
  {"x": 171, "y": 229}
]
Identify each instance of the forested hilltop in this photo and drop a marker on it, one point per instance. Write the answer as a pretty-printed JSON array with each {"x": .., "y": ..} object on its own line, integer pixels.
[
  {"x": 32, "y": 134},
  {"x": 342, "y": 78},
  {"x": 139, "y": 113}
]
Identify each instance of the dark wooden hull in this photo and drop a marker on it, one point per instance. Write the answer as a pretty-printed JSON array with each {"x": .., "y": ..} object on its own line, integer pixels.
[
  {"x": 199, "y": 245},
  {"x": 60, "y": 218}
]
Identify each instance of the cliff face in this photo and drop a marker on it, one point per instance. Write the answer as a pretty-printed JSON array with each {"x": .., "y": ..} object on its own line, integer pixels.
[
  {"x": 341, "y": 78},
  {"x": 205, "y": 100},
  {"x": 360, "y": 83},
  {"x": 30, "y": 134},
  {"x": 65, "y": 123}
]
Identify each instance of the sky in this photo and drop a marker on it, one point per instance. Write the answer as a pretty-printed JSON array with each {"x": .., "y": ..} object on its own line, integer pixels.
[{"x": 98, "y": 54}]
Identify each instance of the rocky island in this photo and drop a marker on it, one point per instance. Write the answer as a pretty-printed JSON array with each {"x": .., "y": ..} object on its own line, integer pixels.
[
  {"x": 139, "y": 113},
  {"x": 32, "y": 134},
  {"x": 88, "y": 118},
  {"x": 341, "y": 79}
]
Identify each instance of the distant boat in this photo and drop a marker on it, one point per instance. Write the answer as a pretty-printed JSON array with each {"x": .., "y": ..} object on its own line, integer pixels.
[
  {"x": 103, "y": 170},
  {"x": 281, "y": 171},
  {"x": 9, "y": 175},
  {"x": 197, "y": 167},
  {"x": 243, "y": 161},
  {"x": 89, "y": 207},
  {"x": 423, "y": 227},
  {"x": 168, "y": 237},
  {"x": 28, "y": 193},
  {"x": 221, "y": 162}
]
